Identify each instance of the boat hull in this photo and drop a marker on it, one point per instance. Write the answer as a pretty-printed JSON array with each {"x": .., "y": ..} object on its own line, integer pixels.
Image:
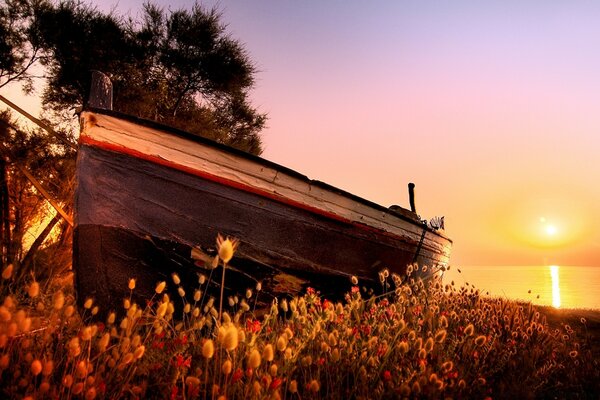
[{"x": 138, "y": 218}]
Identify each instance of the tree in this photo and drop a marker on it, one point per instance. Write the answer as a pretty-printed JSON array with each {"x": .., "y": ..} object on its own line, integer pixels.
[
  {"x": 22, "y": 206},
  {"x": 17, "y": 54},
  {"x": 179, "y": 68}
]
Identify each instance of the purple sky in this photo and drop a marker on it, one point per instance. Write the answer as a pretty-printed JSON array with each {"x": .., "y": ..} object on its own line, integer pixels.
[{"x": 493, "y": 110}]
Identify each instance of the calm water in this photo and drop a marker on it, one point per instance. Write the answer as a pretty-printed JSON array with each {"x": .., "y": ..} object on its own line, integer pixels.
[{"x": 559, "y": 286}]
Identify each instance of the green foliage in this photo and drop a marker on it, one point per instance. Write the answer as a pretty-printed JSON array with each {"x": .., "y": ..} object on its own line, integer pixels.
[{"x": 179, "y": 67}]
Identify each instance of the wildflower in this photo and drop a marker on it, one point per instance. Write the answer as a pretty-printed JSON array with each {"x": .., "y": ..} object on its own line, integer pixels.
[
  {"x": 226, "y": 248},
  {"x": 230, "y": 338},
  {"x": 268, "y": 353},
  {"x": 111, "y": 318},
  {"x": 74, "y": 348},
  {"x": 447, "y": 366},
  {"x": 197, "y": 295},
  {"x": 4, "y": 361},
  {"x": 573, "y": 354},
  {"x": 78, "y": 388},
  {"x": 175, "y": 278},
  {"x": 160, "y": 287},
  {"x": 81, "y": 370},
  {"x": 248, "y": 293},
  {"x": 314, "y": 386},
  {"x": 480, "y": 340},
  {"x": 208, "y": 349},
  {"x": 440, "y": 336},
  {"x": 429, "y": 344},
  {"x": 48, "y": 368},
  {"x": 67, "y": 381},
  {"x": 5, "y": 314},
  {"x": 181, "y": 291},
  {"x": 34, "y": 289},
  {"x": 288, "y": 333},
  {"x": 90, "y": 394},
  {"x": 131, "y": 284},
  {"x": 354, "y": 280},
  {"x": 443, "y": 321},
  {"x": 403, "y": 347},
  {"x": 103, "y": 342},
  {"x": 282, "y": 342},
  {"x": 58, "y": 300},
  {"x": 273, "y": 370},
  {"x": 469, "y": 330},
  {"x": 254, "y": 359},
  {"x": 7, "y": 272},
  {"x": 258, "y": 286},
  {"x": 139, "y": 352},
  {"x": 86, "y": 333},
  {"x": 88, "y": 303},
  {"x": 387, "y": 375},
  {"x": 36, "y": 367},
  {"x": 293, "y": 386},
  {"x": 256, "y": 388},
  {"x": 226, "y": 367},
  {"x": 162, "y": 310},
  {"x": 335, "y": 355}
]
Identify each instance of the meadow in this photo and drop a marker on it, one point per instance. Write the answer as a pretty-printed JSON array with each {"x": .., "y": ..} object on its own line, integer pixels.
[{"x": 421, "y": 338}]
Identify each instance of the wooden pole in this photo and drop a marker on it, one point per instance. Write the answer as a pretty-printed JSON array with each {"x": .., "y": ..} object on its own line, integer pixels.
[
  {"x": 39, "y": 123},
  {"x": 101, "y": 93},
  {"x": 44, "y": 193}
]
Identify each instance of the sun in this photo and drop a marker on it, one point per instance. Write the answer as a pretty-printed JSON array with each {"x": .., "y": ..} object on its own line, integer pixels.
[
  {"x": 547, "y": 227},
  {"x": 551, "y": 230}
]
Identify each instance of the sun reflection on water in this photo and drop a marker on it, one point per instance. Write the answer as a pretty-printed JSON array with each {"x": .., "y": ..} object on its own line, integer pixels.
[{"x": 555, "y": 286}]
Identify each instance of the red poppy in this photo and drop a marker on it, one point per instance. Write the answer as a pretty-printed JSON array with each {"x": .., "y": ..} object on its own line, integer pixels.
[
  {"x": 237, "y": 375},
  {"x": 182, "y": 362},
  {"x": 252, "y": 326},
  {"x": 387, "y": 375},
  {"x": 275, "y": 383}
]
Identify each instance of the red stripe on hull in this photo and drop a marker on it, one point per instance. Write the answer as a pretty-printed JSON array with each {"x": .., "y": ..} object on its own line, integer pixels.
[{"x": 227, "y": 182}]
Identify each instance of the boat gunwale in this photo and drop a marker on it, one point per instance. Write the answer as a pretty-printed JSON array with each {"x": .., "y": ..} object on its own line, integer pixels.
[{"x": 268, "y": 164}]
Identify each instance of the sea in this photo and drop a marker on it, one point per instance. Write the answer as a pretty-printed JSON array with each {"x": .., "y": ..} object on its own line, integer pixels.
[{"x": 552, "y": 285}]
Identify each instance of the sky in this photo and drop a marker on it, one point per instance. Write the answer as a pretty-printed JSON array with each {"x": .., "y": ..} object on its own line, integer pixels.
[{"x": 491, "y": 108}]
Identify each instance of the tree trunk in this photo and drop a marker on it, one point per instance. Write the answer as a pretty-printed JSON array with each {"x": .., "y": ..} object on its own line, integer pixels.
[{"x": 5, "y": 205}]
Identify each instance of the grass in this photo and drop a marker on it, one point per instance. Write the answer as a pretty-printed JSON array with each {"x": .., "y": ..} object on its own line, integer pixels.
[{"x": 423, "y": 339}]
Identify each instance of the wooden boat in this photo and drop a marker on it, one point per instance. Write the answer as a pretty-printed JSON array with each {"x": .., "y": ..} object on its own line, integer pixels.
[{"x": 148, "y": 194}]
